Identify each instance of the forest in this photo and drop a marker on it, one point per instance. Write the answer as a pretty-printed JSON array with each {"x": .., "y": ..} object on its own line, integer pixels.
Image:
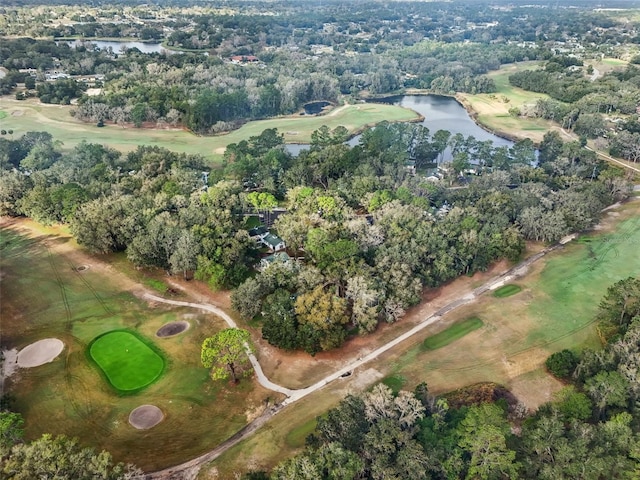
[{"x": 308, "y": 52}]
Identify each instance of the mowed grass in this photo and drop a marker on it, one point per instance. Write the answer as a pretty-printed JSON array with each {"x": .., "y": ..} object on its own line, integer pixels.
[
  {"x": 453, "y": 333},
  {"x": 126, "y": 360},
  {"x": 44, "y": 295},
  {"x": 555, "y": 310},
  {"x": 507, "y": 291},
  {"x": 493, "y": 111},
  {"x": 25, "y": 116}
]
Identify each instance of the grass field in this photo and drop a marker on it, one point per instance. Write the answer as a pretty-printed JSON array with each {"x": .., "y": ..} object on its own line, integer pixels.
[
  {"x": 126, "y": 360},
  {"x": 29, "y": 115},
  {"x": 492, "y": 110},
  {"x": 453, "y": 333},
  {"x": 507, "y": 291},
  {"x": 44, "y": 294}
]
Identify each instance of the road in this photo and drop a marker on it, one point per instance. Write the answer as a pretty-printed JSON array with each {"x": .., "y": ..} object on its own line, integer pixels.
[
  {"x": 606, "y": 157},
  {"x": 186, "y": 470}
]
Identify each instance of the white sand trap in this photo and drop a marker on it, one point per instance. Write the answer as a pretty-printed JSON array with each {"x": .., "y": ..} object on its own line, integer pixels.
[
  {"x": 40, "y": 352},
  {"x": 145, "y": 417}
]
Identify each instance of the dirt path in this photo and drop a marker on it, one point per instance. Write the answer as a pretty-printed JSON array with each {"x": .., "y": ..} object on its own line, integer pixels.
[{"x": 186, "y": 469}]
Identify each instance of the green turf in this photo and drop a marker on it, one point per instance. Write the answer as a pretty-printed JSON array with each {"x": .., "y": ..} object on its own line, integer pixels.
[
  {"x": 507, "y": 291},
  {"x": 573, "y": 282},
  {"x": 57, "y": 120},
  {"x": 297, "y": 437},
  {"x": 453, "y": 333},
  {"x": 126, "y": 360},
  {"x": 394, "y": 382}
]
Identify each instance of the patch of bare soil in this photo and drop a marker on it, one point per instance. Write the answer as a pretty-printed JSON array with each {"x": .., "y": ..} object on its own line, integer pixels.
[
  {"x": 145, "y": 417},
  {"x": 41, "y": 352},
  {"x": 535, "y": 390}
]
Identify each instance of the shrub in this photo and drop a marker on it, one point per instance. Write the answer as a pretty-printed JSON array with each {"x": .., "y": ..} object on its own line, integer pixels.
[{"x": 562, "y": 363}]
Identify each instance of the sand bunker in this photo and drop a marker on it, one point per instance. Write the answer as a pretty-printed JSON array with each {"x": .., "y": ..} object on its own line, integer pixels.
[
  {"x": 171, "y": 329},
  {"x": 40, "y": 352},
  {"x": 145, "y": 417}
]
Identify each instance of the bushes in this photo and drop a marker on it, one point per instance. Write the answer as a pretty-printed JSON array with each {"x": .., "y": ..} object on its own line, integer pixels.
[{"x": 562, "y": 363}]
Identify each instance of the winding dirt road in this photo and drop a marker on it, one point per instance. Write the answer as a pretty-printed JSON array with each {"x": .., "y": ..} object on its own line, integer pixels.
[{"x": 187, "y": 469}]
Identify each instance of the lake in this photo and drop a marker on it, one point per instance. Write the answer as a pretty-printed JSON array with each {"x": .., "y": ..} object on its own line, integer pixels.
[{"x": 440, "y": 113}]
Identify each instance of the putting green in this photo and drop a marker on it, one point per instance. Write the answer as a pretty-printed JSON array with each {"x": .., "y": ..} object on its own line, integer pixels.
[
  {"x": 453, "y": 333},
  {"x": 126, "y": 360},
  {"x": 507, "y": 291}
]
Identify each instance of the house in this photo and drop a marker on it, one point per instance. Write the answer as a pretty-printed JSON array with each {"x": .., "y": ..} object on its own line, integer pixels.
[
  {"x": 273, "y": 242},
  {"x": 258, "y": 233},
  {"x": 240, "y": 59},
  {"x": 276, "y": 257}
]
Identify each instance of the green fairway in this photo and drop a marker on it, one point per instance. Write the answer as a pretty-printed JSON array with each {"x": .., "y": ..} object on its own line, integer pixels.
[
  {"x": 25, "y": 116},
  {"x": 126, "y": 360},
  {"x": 453, "y": 333},
  {"x": 507, "y": 291}
]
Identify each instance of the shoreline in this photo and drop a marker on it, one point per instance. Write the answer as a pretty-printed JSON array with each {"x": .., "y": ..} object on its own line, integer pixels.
[{"x": 458, "y": 97}]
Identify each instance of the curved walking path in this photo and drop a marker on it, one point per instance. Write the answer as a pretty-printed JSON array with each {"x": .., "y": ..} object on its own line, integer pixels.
[
  {"x": 177, "y": 471},
  {"x": 262, "y": 379}
]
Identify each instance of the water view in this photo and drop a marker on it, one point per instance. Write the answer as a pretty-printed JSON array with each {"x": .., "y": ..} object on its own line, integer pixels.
[{"x": 440, "y": 113}]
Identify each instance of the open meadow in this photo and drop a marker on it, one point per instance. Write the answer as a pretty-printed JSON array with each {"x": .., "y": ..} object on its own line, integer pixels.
[
  {"x": 25, "y": 116},
  {"x": 50, "y": 288}
]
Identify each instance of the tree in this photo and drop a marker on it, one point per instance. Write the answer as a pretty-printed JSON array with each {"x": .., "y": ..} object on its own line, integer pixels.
[
  {"x": 62, "y": 458},
  {"x": 185, "y": 255},
  {"x": 226, "y": 354},
  {"x": 562, "y": 363},
  {"x": 11, "y": 431},
  {"x": 483, "y": 434},
  {"x": 325, "y": 313},
  {"x": 620, "y": 305},
  {"x": 607, "y": 389}
]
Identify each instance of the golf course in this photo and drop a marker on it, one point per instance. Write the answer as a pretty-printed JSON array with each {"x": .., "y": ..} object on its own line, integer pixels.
[
  {"x": 29, "y": 115},
  {"x": 113, "y": 361},
  {"x": 127, "y": 361}
]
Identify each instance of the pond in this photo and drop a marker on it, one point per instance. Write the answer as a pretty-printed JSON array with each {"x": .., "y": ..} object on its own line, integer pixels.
[
  {"x": 313, "y": 108},
  {"x": 440, "y": 113}
]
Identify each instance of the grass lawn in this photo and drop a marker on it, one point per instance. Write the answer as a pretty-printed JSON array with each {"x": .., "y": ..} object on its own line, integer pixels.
[
  {"x": 126, "y": 360},
  {"x": 3, "y": 114},
  {"x": 507, "y": 291},
  {"x": 29, "y": 115},
  {"x": 44, "y": 294},
  {"x": 453, "y": 333}
]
